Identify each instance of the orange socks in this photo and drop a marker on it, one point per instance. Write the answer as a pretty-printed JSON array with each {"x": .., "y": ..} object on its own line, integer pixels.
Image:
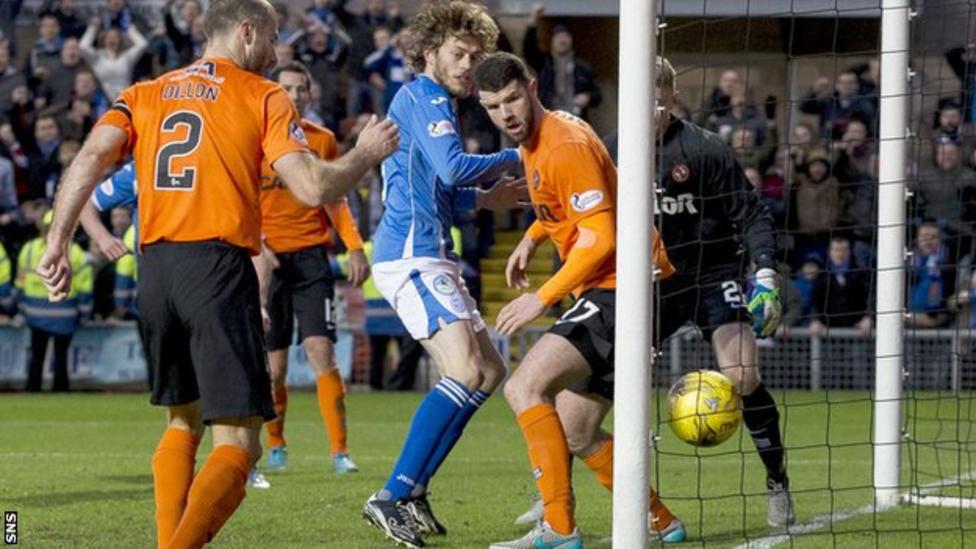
[
  {"x": 332, "y": 404},
  {"x": 601, "y": 463},
  {"x": 172, "y": 466},
  {"x": 214, "y": 496},
  {"x": 549, "y": 455},
  {"x": 276, "y": 427}
]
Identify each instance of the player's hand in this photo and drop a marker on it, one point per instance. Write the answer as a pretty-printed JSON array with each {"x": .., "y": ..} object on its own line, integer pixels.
[
  {"x": 378, "y": 139},
  {"x": 522, "y": 310},
  {"x": 507, "y": 194},
  {"x": 764, "y": 305},
  {"x": 269, "y": 257},
  {"x": 113, "y": 248},
  {"x": 265, "y": 319},
  {"x": 358, "y": 268},
  {"x": 515, "y": 275},
  {"x": 55, "y": 271}
]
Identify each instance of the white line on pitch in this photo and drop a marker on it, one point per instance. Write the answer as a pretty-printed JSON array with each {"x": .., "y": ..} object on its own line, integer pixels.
[{"x": 822, "y": 521}]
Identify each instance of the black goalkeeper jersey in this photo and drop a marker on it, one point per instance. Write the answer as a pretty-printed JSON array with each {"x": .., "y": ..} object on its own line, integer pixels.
[{"x": 707, "y": 211}]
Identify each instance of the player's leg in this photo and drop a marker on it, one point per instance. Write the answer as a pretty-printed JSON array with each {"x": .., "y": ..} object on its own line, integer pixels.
[
  {"x": 378, "y": 346},
  {"x": 405, "y": 374},
  {"x": 35, "y": 371},
  {"x": 550, "y": 366},
  {"x": 582, "y": 415},
  {"x": 61, "y": 344},
  {"x": 174, "y": 385},
  {"x": 218, "y": 488},
  {"x": 331, "y": 394},
  {"x": 278, "y": 339},
  {"x": 493, "y": 369},
  {"x": 215, "y": 295},
  {"x": 737, "y": 354}
]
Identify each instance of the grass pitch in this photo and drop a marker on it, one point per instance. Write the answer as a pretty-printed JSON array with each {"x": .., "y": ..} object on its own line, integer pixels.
[{"x": 76, "y": 468}]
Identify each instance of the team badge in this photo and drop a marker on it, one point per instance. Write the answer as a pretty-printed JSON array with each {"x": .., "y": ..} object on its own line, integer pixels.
[
  {"x": 441, "y": 128},
  {"x": 443, "y": 285},
  {"x": 535, "y": 180},
  {"x": 680, "y": 173},
  {"x": 586, "y": 200},
  {"x": 297, "y": 133}
]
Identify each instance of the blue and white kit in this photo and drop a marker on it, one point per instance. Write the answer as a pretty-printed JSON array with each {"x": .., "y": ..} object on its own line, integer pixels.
[{"x": 423, "y": 183}]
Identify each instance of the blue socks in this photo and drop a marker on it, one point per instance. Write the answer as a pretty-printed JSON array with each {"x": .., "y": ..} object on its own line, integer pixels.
[
  {"x": 450, "y": 438},
  {"x": 435, "y": 415}
]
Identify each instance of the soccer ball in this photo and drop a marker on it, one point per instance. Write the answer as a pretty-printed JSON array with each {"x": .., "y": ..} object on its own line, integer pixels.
[{"x": 704, "y": 407}]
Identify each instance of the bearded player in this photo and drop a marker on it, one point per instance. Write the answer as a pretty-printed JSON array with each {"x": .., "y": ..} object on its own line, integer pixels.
[{"x": 563, "y": 389}]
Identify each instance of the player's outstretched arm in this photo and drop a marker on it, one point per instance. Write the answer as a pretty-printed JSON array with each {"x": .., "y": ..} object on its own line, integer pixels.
[
  {"x": 316, "y": 182},
  {"x": 109, "y": 244},
  {"x": 102, "y": 149}
]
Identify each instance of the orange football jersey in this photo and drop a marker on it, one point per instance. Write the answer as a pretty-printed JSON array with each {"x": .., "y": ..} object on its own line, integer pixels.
[
  {"x": 199, "y": 135},
  {"x": 570, "y": 177},
  {"x": 290, "y": 225}
]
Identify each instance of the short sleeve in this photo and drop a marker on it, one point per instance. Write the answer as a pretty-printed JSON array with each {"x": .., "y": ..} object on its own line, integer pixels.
[
  {"x": 120, "y": 115},
  {"x": 283, "y": 133},
  {"x": 576, "y": 175}
]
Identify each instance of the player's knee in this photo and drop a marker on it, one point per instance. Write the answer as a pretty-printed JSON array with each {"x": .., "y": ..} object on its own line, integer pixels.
[
  {"x": 745, "y": 378},
  {"x": 493, "y": 372},
  {"x": 579, "y": 441}
]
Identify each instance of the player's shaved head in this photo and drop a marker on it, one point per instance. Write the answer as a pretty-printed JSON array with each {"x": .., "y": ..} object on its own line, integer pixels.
[
  {"x": 223, "y": 16},
  {"x": 499, "y": 70},
  {"x": 441, "y": 20}
]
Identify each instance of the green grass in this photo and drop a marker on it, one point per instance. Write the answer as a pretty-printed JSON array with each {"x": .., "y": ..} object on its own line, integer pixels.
[{"x": 77, "y": 469}]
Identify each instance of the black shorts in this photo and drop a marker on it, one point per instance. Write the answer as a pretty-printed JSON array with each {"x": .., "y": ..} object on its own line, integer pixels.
[
  {"x": 589, "y": 326},
  {"x": 708, "y": 300},
  {"x": 201, "y": 323},
  {"x": 302, "y": 286}
]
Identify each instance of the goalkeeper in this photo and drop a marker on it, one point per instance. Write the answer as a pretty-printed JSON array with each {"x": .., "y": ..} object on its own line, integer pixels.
[{"x": 713, "y": 225}]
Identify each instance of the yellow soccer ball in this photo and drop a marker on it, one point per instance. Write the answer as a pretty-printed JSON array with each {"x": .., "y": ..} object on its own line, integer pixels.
[{"x": 705, "y": 408}]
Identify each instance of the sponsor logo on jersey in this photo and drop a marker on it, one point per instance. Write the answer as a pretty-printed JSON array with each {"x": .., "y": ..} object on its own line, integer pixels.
[
  {"x": 680, "y": 173},
  {"x": 586, "y": 200},
  {"x": 438, "y": 100},
  {"x": 297, "y": 133},
  {"x": 441, "y": 128},
  {"x": 674, "y": 205},
  {"x": 535, "y": 180},
  {"x": 443, "y": 285}
]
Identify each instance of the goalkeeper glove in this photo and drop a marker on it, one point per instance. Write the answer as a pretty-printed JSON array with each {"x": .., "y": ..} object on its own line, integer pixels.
[{"x": 764, "y": 305}]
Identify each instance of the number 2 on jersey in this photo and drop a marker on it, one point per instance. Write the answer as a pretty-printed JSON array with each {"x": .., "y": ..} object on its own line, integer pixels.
[{"x": 184, "y": 180}]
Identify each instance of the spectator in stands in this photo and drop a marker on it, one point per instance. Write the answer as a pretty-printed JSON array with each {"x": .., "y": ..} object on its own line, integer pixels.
[
  {"x": 10, "y": 78},
  {"x": 112, "y": 61},
  {"x": 285, "y": 53},
  {"x": 720, "y": 98},
  {"x": 179, "y": 29},
  {"x": 841, "y": 294},
  {"x": 325, "y": 55},
  {"x": 361, "y": 29},
  {"x": 566, "y": 82},
  {"x": 838, "y": 108},
  {"x": 387, "y": 70},
  {"x": 739, "y": 115},
  {"x": 855, "y": 154},
  {"x": 21, "y": 114},
  {"x": 948, "y": 120},
  {"x": 802, "y": 140},
  {"x": 287, "y": 30},
  {"x": 750, "y": 154},
  {"x": 116, "y": 14},
  {"x": 963, "y": 64},
  {"x": 43, "y": 158},
  {"x": 776, "y": 207},
  {"x": 51, "y": 320},
  {"x": 86, "y": 89},
  {"x": 9, "y": 10},
  {"x": 70, "y": 21},
  {"x": 816, "y": 204},
  {"x": 61, "y": 82},
  {"x": 9, "y": 203},
  {"x": 45, "y": 57},
  {"x": 931, "y": 279},
  {"x": 77, "y": 121},
  {"x": 945, "y": 191},
  {"x": 13, "y": 150},
  {"x": 804, "y": 281}
]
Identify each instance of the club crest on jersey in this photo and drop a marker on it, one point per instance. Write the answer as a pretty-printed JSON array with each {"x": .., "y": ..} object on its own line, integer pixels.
[
  {"x": 586, "y": 200},
  {"x": 680, "y": 173},
  {"x": 297, "y": 133},
  {"x": 443, "y": 285},
  {"x": 535, "y": 180},
  {"x": 441, "y": 128}
]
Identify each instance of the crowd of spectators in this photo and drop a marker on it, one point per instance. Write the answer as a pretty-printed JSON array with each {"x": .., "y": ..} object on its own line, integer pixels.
[{"x": 816, "y": 172}]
